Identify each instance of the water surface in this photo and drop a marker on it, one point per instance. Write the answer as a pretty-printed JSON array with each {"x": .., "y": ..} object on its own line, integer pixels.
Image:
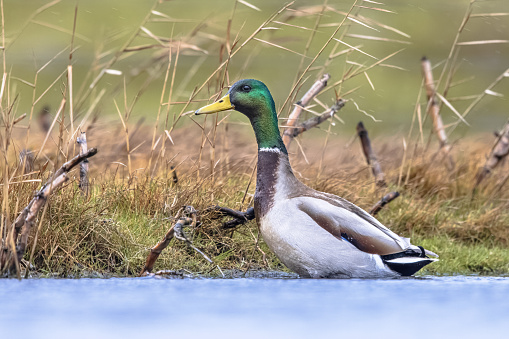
[{"x": 428, "y": 307}]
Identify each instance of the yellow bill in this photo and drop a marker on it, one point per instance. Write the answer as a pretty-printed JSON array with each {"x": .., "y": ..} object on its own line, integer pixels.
[{"x": 222, "y": 104}]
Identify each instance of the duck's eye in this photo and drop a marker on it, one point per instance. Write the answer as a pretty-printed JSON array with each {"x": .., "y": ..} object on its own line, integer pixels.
[{"x": 246, "y": 88}]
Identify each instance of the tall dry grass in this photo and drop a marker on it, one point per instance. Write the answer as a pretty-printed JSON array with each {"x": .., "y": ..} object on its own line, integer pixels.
[{"x": 134, "y": 200}]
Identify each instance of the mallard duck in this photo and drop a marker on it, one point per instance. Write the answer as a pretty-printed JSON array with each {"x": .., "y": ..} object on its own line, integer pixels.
[{"x": 315, "y": 234}]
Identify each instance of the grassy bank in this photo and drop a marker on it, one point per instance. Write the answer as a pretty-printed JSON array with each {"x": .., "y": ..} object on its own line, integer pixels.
[
  {"x": 112, "y": 231},
  {"x": 133, "y": 89}
]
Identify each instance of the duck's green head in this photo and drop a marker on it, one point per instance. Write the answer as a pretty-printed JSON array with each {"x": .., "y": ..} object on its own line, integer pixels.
[
  {"x": 253, "y": 99},
  {"x": 248, "y": 96}
]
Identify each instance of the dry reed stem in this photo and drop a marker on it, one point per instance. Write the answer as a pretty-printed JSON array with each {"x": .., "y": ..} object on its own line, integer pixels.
[
  {"x": 28, "y": 21},
  {"x": 403, "y": 162},
  {"x": 310, "y": 39},
  {"x": 434, "y": 112},
  {"x": 121, "y": 50},
  {"x": 126, "y": 132},
  {"x": 7, "y": 244},
  {"x": 480, "y": 96},
  {"x": 18, "y": 119},
  {"x": 454, "y": 45},
  {"x": 4, "y": 60},
  {"x": 71, "y": 105},
  {"x": 361, "y": 70},
  {"x": 159, "y": 109},
  {"x": 60, "y": 150},
  {"x": 311, "y": 63},
  {"x": 384, "y": 201},
  {"x": 293, "y": 118},
  {"x": 371, "y": 158},
  {"x": 499, "y": 151},
  {"x": 4, "y": 219},
  {"x": 60, "y": 109},
  {"x": 224, "y": 63},
  {"x": 27, "y": 271},
  {"x": 333, "y": 54}
]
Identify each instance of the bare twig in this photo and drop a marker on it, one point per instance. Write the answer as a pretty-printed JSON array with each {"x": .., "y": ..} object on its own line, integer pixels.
[
  {"x": 384, "y": 201},
  {"x": 434, "y": 112},
  {"x": 499, "y": 151},
  {"x": 293, "y": 118},
  {"x": 370, "y": 156}
]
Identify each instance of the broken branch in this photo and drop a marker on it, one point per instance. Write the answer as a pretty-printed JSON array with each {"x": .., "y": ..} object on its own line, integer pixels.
[
  {"x": 434, "y": 112},
  {"x": 293, "y": 118},
  {"x": 177, "y": 231},
  {"x": 370, "y": 155},
  {"x": 26, "y": 219},
  {"x": 157, "y": 249},
  {"x": 317, "y": 120},
  {"x": 75, "y": 161},
  {"x": 499, "y": 151},
  {"x": 384, "y": 201},
  {"x": 174, "y": 231}
]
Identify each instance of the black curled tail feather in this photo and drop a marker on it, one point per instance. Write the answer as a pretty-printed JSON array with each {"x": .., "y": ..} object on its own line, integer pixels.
[
  {"x": 407, "y": 262},
  {"x": 407, "y": 253}
]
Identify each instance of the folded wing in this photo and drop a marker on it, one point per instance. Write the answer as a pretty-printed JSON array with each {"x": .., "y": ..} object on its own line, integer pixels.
[{"x": 348, "y": 222}]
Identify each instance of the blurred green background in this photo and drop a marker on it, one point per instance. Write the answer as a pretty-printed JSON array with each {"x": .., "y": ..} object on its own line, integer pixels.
[{"x": 104, "y": 26}]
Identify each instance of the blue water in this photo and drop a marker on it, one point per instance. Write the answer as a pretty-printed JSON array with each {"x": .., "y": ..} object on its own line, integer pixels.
[{"x": 429, "y": 307}]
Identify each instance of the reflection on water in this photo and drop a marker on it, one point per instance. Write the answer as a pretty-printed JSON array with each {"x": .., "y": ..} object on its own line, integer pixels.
[{"x": 429, "y": 307}]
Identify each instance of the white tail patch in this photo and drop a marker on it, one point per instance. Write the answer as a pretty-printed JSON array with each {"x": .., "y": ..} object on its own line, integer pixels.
[{"x": 409, "y": 260}]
